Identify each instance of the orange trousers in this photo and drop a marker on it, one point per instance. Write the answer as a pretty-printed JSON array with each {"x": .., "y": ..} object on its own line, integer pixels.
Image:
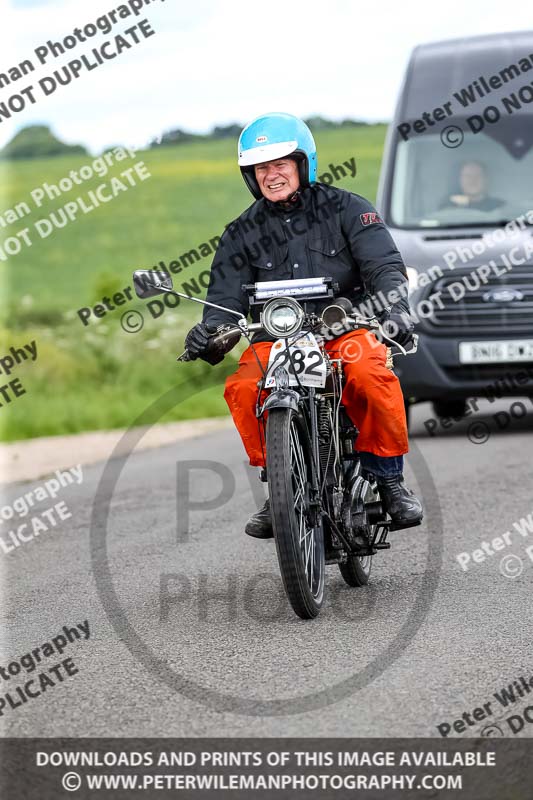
[{"x": 372, "y": 396}]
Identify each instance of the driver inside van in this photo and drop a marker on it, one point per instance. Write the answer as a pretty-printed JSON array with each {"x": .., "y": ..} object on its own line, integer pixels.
[{"x": 473, "y": 189}]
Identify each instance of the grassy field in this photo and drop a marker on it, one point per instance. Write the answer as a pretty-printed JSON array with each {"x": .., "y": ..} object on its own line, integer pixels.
[{"x": 99, "y": 376}]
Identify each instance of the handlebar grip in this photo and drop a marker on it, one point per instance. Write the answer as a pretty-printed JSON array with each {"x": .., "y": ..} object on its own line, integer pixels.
[
  {"x": 223, "y": 339},
  {"x": 412, "y": 346}
]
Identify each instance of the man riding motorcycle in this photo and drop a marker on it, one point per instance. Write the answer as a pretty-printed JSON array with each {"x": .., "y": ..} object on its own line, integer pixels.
[{"x": 299, "y": 228}]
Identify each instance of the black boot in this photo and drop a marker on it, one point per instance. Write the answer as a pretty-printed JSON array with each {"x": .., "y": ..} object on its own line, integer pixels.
[
  {"x": 403, "y": 506},
  {"x": 260, "y": 524}
]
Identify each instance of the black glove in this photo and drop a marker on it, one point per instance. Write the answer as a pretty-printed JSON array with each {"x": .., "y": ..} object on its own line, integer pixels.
[
  {"x": 398, "y": 325},
  {"x": 198, "y": 338}
]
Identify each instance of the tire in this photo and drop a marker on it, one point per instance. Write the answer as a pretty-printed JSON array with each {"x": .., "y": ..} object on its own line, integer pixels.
[
  {"x": 455, "y": 407},
  {"x": 356, "y": 571},
  {"x": 288, "y": 469}
]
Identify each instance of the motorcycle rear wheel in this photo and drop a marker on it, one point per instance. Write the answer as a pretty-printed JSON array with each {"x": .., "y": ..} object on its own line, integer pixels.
[
  {"x": 299, "y": 544},
  {"x": 356, "y": 570}
]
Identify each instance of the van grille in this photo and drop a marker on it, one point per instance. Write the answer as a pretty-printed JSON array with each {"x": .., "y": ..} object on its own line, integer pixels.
[
  {"x": 492, "y": 372},
  {"x": 475, "y": 315}
]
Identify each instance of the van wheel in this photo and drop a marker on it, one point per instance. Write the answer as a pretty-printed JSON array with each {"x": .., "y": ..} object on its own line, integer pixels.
[{"x": 450, "y": 408}]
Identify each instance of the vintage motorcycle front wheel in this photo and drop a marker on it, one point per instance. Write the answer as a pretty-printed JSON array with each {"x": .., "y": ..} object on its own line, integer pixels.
[{"x": 299, "y": 540}]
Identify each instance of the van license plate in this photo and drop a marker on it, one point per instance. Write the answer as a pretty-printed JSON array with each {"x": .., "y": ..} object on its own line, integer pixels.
[{"x": 496, "y": 352}]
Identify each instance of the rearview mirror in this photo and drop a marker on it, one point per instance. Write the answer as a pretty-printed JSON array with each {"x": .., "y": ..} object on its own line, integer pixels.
[{"x": 150, "y": 282}]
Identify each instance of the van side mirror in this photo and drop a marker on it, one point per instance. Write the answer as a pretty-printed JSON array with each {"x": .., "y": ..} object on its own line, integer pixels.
[{"x": 151, "y": 282}]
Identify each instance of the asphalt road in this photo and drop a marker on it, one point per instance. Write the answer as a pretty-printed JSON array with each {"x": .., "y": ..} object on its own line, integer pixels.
[{"x": 190, "y": 634}]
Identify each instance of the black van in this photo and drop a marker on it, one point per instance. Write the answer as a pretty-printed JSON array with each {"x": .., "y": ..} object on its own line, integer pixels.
[{"x": 456, "y": 190}]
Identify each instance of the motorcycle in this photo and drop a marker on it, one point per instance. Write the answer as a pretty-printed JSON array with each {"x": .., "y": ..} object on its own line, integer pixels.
[{"x": 325, "y": 508}]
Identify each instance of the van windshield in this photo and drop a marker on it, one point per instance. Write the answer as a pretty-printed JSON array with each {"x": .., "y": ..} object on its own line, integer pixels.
[{"x": 486, "y": 180}]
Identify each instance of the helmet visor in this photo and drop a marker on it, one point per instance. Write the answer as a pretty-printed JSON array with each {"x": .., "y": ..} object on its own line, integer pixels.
[{"x": 267, "y": 152}]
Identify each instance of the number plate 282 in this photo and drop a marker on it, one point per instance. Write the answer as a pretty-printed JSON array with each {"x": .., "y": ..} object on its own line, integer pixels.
[{"x": 302, "y": 359}]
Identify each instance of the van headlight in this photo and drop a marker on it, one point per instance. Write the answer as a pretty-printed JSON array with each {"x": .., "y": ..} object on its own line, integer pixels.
[
  {"x": 412, "y": 277},
  {"x": 282, "y": 316}
]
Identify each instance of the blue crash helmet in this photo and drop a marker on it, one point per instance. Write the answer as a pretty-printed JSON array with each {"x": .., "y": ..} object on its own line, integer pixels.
[{"x": 272, "y": 136}]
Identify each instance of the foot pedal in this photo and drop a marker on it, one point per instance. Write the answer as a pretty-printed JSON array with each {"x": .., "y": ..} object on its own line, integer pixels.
[
  {"x": 382, "y": 546},
  {"x": 400, "y": 526}
]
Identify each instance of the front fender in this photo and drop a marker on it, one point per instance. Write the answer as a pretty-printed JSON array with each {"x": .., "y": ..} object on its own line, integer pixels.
[{"x": 281, "y": 398}]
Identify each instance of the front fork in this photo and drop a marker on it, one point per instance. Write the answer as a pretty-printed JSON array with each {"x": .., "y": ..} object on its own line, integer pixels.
[
  {"x": 314, "y": 489},
  {"x": 289, "y": 398}
]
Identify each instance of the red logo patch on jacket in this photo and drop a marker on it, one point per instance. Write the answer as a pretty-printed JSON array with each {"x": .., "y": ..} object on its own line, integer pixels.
[{"x": 369, "y": 217}]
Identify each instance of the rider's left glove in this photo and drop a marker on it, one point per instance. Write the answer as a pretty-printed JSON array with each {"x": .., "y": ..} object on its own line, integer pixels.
[{"x": 398, "y": 325}]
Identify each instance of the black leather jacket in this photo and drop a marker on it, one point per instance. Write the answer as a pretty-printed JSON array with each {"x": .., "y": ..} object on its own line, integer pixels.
[{"x": 327, "y": 232}]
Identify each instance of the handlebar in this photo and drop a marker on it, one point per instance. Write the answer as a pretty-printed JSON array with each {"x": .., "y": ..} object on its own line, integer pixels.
[{"x": 396, "y": 349}]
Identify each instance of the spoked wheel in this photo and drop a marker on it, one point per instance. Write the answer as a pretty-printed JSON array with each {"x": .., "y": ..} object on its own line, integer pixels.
[
  {"x": 299, "y": 543},
  {"x": 356, "y": 570}
]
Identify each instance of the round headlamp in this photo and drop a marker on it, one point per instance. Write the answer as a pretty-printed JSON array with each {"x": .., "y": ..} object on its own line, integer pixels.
[{"x": 282, "y": 316}]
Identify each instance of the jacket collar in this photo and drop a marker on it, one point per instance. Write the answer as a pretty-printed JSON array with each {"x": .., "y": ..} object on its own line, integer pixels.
[{"x": 299, "y": 201}]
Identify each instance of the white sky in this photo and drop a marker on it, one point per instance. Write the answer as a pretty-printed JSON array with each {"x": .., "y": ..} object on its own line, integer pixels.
[{"x": 218, "y": 62}]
